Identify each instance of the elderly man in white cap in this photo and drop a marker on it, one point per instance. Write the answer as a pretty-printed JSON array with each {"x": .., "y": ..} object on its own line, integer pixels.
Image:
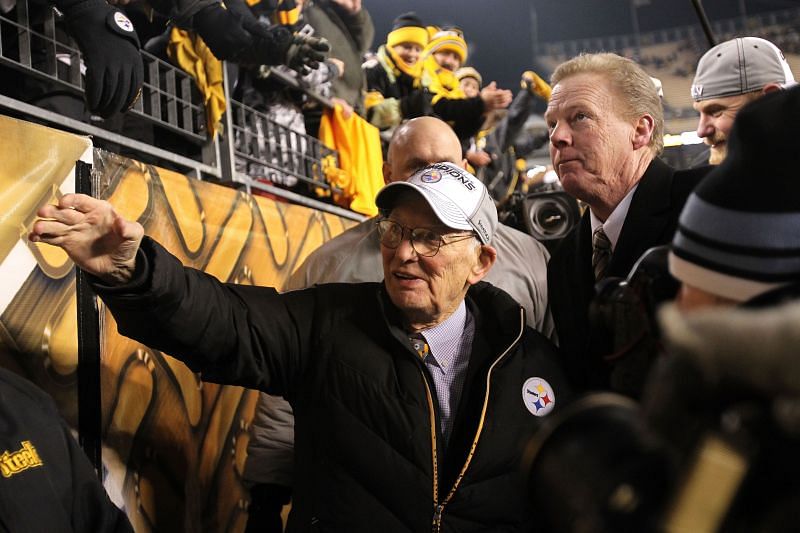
[
  {"x": 413, "y": 397},
  {"x": 729, "y": 76}
]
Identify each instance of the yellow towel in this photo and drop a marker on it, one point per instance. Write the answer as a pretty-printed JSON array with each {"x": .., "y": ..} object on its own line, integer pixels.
[
  {"x": 359, "y": 145},
  {"x": 189, "y": 52}
]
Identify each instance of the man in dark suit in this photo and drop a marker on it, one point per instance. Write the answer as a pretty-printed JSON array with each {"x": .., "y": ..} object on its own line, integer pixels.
[{"x": 606, "y": 129}]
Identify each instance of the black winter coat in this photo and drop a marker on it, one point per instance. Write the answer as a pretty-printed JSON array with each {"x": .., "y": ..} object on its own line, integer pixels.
[
  {"x": 365, "y": 407},
  {"x": 47, "y": 483}
]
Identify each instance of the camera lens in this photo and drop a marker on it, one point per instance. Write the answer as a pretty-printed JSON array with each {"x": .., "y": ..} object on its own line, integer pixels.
[{"x": 550, "y": 215}]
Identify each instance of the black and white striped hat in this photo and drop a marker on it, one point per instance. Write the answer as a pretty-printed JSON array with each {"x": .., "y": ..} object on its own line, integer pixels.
[{"x": 739, "y": 233}]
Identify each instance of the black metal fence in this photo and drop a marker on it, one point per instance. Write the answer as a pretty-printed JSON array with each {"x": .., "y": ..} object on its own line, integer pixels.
[{"x": 254, "y": 151}]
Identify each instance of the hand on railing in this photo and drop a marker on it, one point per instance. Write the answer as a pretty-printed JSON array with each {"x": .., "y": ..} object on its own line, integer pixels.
[
  {"x": 110, "y": 48},
  {"x": 306, "y": 52}
]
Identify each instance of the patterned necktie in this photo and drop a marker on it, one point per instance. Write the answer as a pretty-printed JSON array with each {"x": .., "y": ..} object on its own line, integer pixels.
[
  {"x": 420, "y": 345},
  {"x": 601, "y": 253}
]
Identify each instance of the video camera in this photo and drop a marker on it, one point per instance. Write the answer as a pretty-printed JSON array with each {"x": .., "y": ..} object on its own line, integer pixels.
[
  {"x": 545, "y": 211},
  {"x": 713, "y": 444}
]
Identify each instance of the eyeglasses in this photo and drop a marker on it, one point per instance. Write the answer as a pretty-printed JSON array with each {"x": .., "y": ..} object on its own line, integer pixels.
[{"x": 424, "y": 241}]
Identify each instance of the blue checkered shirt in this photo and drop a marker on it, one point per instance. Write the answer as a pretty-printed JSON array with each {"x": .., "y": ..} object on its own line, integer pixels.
[{"x": 449, "y": 344}]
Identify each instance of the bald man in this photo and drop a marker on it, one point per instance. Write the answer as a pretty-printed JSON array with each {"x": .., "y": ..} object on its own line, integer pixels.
[{"x": 354, "y": 256}]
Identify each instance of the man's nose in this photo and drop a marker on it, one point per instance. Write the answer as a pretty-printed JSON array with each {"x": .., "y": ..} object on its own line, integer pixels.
[
  {"x": 405, "y": 250},
  {"x": 705, "y": 126},
  {"x": 560, "y": 135}
]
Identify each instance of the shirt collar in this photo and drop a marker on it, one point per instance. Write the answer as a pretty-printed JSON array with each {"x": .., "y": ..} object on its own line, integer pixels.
[
  {"x": 613, "y": 224},
  {"x": 444, "y": 339}
]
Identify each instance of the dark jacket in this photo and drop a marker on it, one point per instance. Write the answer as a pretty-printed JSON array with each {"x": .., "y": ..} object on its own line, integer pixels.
[
  {"x": 365, "y": 408},
  {"x": 350, "y": 36},
  {"x": 47, "y": 483},
  {"x": 384, "y": 78},
  {"x": 651, "y": 221}
]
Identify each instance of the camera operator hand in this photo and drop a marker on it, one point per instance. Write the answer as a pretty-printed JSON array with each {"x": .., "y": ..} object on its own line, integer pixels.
[{"x": 110, "y": 46}]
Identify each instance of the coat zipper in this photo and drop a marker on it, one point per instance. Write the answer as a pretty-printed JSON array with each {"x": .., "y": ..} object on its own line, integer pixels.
[{"x": 438, "y": 508}]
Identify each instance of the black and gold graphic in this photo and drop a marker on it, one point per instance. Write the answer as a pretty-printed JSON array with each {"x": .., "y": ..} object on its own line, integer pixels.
[{"x": 173, "y": 446}]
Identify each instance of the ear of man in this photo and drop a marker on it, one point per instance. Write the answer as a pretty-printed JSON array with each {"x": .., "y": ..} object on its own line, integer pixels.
[
  {"x": 387, "y": 173},
  {"x": 486, "y": 257},
  {"x": 643, "y": 131}
]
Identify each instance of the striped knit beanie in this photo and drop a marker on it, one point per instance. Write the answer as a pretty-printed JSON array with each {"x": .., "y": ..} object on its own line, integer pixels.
[
  {"x": 739, "y": 233},
  {"x": 451, "y": 39}
]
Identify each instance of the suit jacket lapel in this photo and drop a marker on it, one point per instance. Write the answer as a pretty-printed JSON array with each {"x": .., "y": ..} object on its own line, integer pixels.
[{"x": 647, "y": 218}]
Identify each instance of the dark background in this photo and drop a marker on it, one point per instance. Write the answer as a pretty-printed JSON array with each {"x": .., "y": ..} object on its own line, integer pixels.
[{"x": 500, "y": 33}]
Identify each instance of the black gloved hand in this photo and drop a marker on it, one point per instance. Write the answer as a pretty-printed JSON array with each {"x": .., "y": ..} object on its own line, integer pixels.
[
  {"x": 238, "y": 36},
  {"x": 222, "y": 31},
  {"x": 306, "y": 52},
  {"x": 110, "y": 49}
]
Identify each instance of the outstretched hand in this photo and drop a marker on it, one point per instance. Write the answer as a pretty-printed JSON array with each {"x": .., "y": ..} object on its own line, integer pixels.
[
  {"x": 494, "y": 98},
  {"x": 92, "y": 234}
]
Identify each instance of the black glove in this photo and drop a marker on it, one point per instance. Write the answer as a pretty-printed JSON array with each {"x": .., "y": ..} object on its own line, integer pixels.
[
  {"x": 222, "y": 31},
  {"x": 240, "y": 37},
  {"x": 110, "y": 49},
  {"x": 306, "y": 52}
]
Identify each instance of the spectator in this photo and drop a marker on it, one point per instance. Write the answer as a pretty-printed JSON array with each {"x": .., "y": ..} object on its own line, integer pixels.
[
  {"x": 354, "y": 257},
  {"x": 110, "y": 48},
  {"x": 494, "y": 151},
  {"x": 605, "y": 122},
  {"x": 445, "y": 54},
  {"x": 393, "y": 77},
  {"x": 284, "y": 148},
  {"x": 349, "y": 30},
  {"x": 232, "y": 33},
  {"x": 429, "y": 382},
  {"x": 48, "y": 483},
  {"x": 729, "y": 76}
]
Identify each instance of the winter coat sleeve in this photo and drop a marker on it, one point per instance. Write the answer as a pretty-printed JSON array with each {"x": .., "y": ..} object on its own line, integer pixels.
[{"x": 233, "y": 334}]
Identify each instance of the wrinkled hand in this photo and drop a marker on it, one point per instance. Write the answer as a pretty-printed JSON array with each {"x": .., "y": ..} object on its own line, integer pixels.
[
  {"x": 92, "y": 234},
  {"x": 110, "y": 48},
  {"x": 494, "y": 98},
  {"x": 306, "y": 52}
]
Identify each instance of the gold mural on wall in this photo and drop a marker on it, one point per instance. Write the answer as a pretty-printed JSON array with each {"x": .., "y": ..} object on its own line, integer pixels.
[{"x": 173, "y": 446}]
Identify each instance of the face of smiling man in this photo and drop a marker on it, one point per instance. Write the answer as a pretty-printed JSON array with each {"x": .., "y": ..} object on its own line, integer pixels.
[
  {"x": 429, "y": 289},
  {"x": 597, "y": 154},
  {"x": 716, "y": 120}
]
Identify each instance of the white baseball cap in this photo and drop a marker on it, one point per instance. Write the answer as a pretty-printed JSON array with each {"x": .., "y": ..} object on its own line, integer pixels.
[
  {"x": 739, "y": 66},
  {"x": 459, "y": 199}
]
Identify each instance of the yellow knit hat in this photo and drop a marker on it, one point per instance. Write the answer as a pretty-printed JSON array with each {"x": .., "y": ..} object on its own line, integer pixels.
[{"x": 407, "y": 28}]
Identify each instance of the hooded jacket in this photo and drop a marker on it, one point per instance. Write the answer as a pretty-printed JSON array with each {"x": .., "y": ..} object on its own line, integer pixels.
[{"x": 368, "y": 451}]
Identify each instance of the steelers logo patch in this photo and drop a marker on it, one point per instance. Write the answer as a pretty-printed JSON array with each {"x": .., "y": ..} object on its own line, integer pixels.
[
  {"x": 538, "y": 396},
  {"x": 432, "y": 176},
  {"x": 123, "y": 22}
]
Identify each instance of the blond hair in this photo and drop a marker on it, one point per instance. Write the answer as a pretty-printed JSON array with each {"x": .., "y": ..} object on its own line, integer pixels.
[{"x": 635, "y": 87}]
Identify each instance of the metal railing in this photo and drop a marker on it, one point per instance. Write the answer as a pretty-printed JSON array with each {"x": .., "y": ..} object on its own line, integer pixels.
[{"x": 254, "y": 147}]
